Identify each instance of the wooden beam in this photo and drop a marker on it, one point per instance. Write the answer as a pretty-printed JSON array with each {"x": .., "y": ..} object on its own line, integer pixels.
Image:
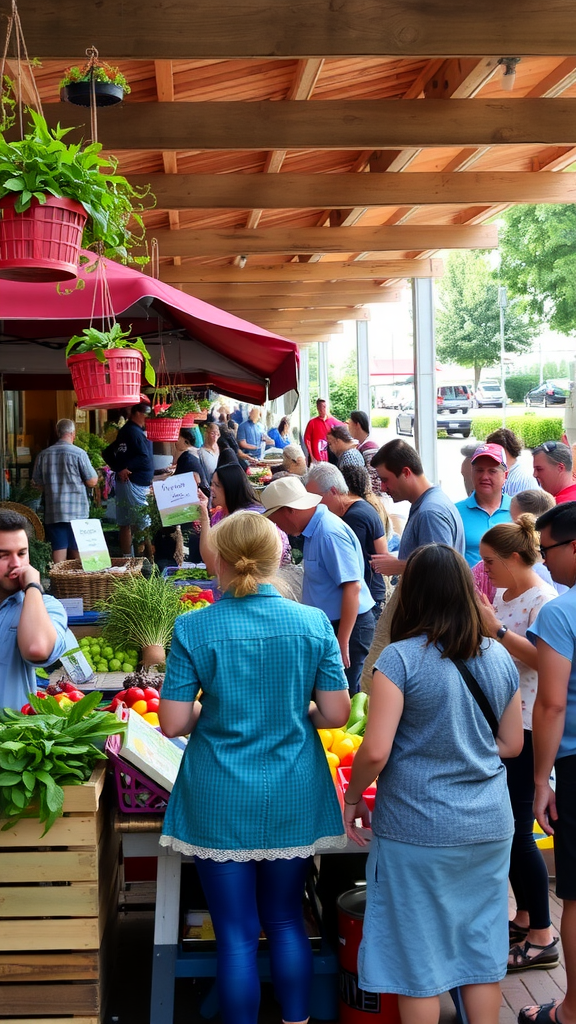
[
  {"x": 146, "y": 29},
  {"x": 306, "y": 318},
  {"x": 296, "y": 300},
  {"x": 316, "y": 191},
  {"x": 304, "y": 330},
  {"x": 337, "y": 124},
  {"x": 378, "y": 270},
  {"x": 293, "y": 241}
]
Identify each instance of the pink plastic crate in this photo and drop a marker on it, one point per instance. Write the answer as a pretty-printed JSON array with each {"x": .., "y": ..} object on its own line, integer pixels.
[
  {"x": 343, "y": 775},
  {"x": 137, "y": 794}
]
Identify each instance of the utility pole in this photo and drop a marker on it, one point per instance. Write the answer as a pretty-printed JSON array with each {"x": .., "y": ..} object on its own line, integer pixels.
[{"x": 502, "y": 303}]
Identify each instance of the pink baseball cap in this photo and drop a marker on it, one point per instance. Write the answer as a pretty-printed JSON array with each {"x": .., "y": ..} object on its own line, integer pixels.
[{"x": 491, "y": 451}]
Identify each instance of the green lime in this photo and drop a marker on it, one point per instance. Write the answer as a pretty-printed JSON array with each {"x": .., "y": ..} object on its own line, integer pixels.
[
  {"x": 127, "y": 667},
  {"x": 132, "y": 655},
  {"x": 121, "y": 655},
  {"x": 107, "y": 652},
  {"x": 114, "y": 665},
  {"x": 102, "y": 666}
]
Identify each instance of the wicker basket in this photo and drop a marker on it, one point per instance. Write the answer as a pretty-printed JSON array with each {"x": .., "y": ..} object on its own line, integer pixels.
[{"x": 69, "y": 579}]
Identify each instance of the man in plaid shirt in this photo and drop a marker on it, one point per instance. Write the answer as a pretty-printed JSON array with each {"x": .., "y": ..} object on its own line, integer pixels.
[{"x": 63, "y": 472}]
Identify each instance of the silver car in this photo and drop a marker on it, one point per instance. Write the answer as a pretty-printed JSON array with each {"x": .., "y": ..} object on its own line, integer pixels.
[{"x": 489, "y": 392}]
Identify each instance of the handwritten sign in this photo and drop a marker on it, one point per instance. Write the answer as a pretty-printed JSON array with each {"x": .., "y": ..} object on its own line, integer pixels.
[
  {"x": 91, "y": 545},
  {"x": 177, "y": 499}
]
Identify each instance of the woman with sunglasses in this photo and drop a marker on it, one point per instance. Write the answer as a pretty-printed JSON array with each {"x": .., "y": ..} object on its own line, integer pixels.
[{"x": 509, "y": 552}]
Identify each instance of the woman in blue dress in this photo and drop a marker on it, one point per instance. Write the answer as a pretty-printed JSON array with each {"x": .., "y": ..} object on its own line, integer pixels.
[
  {"x": 437, "y": 872},
  {"x": 254, "y": 799}
]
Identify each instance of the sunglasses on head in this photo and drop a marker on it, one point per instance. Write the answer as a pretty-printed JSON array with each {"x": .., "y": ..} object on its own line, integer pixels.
[{"x": 548, "y": 446}]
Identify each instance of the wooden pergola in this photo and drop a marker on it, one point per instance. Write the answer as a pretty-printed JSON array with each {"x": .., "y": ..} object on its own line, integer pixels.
[{"x": 310, "y": 157}]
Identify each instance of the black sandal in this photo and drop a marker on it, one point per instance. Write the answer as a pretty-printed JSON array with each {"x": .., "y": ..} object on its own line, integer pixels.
[
  {"x": 519, "y": 960},
  {"x": 543, "y": 1015},
  {"x": 516, "y": 933}
]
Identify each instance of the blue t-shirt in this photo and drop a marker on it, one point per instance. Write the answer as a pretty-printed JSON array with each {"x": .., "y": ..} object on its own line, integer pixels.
[
  {"x": 279, "y": 441},
  {"x": 556, "y": 625},
  {"x": 332, "y": 556},
  {"x": 433, "y": 519},
  {"x": 18, "y": 677},
  {"x": 444, "y": 783},
  {"x": 251, "y": 433},
  {"x": 477, "y": 521}
]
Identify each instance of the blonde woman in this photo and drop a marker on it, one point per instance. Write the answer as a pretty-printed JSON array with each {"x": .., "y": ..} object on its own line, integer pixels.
[{"x": 243, "y": 803}]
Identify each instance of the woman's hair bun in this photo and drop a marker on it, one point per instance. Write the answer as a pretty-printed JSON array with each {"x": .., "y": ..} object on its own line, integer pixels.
[
  {"x": 526, "y": 522},
  {"x": 246, "y": 566}
]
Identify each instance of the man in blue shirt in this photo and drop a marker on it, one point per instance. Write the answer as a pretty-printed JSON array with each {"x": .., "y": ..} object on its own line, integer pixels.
[
  {"x": 554, "y": 735},
  {"x": 333, "y": 568},
  {"x": 487, "y": 505},
  {"x": 251, "y": 433},
  {"x": 32, "y": 624}
]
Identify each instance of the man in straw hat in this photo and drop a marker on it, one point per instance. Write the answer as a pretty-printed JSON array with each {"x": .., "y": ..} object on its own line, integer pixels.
[{"x": 333, "y": 568}]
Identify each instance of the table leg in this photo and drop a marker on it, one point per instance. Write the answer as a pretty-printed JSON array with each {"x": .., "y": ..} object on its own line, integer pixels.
[{"x": 165, "y": 936}]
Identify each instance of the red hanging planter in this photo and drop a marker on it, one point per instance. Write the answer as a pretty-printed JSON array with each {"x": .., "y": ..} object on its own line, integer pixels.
[
  {"x": 189, "y": 419},
  {"x": 110, "y": 385},
  {"x": 163, "y": 429},
  {"x": 43, "y": 242}
]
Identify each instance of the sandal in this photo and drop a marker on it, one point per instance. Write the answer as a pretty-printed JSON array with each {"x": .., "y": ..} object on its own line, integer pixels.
[
  {"x": 543, "y": 1014},
  {"x": 516, "y": 932},
  {"x": 519, "y": 960}
]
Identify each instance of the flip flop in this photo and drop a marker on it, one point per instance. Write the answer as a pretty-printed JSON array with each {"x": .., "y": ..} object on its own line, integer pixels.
[
  {"x": 543, "y": 1015},
  {"x": 519, "y": 960}
]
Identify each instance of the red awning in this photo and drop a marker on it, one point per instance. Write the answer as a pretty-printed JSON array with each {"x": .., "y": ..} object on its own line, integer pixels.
[{"x": 203, "y": 345}]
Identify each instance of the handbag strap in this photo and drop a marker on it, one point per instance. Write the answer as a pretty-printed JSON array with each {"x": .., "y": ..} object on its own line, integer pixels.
[{"x": 478, "y": 694}]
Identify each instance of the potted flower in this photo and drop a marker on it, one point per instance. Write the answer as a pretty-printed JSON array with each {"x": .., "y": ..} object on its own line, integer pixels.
[
  {"x": 106, "y": 367},
  {"x": 95, "y": 79},
  {"x": 165, "y": 422},
  {"x": 55, "y": 196}
]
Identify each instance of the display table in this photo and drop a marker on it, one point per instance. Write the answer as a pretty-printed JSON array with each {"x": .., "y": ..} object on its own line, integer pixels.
[{"x": 140, "y": 835}]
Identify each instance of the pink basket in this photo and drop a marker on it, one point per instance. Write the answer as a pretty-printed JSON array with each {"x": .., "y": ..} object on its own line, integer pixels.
[
  {"x": 163, "y": 429},
  {"x": 189, "y": 419},
  {"x": 110, "y": 385},
  {"x": 43, "y": 243},
  {"x": 137, "y": 794}
]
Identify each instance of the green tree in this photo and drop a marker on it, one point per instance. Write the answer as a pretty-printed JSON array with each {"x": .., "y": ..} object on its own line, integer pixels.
[
  {"x": 538, "y": 250},
  {"x": 468, "y": 317}
]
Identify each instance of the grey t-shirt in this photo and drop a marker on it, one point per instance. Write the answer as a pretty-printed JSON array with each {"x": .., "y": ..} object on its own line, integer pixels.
[
  {"x": 433, "y": 519},
  {"x": 444, "y": 784}
]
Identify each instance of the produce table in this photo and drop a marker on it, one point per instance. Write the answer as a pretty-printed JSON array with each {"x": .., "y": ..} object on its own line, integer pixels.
[{"x": 140, "y": 839}]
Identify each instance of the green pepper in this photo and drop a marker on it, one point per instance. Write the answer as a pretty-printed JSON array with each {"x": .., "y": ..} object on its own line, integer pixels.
[
  {"x": 358, "y": 728},
  {"x": 358, "y": 709}
]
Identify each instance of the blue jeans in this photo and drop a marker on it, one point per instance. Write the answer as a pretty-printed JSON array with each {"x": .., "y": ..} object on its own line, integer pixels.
[
  {"x": 358, "y": 647},
  {"x": 245, "y": 898}
]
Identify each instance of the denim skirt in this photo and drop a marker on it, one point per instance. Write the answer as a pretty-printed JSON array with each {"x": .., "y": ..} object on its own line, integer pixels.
[{"x": 436, "y": 917}]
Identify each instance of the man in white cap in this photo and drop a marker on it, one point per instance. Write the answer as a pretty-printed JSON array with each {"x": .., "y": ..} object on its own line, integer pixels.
[
  {"x": 487, "y": 505},
  {"x": 333, "y": 568}
]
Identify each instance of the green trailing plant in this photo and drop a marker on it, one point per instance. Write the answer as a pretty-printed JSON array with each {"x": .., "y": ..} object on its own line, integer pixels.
[
  {"x": 97, "y": 71},
  {"x": 140, "y": 612},
  {"x": 42, "y": 164},
  {"x": 95, "y": 341},
  {"x": 92, "y": 445},
  {"x": 40, "y": 553},
  {"x": 42, "y": 752}
]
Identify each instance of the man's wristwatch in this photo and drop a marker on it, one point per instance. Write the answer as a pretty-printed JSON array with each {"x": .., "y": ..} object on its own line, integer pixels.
[
  {"x": 501, "y": 633},
  {"x": 37, "y": 586}
]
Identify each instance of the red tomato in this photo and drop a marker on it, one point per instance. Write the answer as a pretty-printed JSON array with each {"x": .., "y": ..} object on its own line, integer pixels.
[
  {"x": 153, "y": 704},
  {"x": 74, "y": 696},
  {"x": 25, "y": 709},
  {"x": 133, "y": 694},
  {"x": 41, "y": 694},
  {"x": 115, "y": 702},
  {"x": 121, "y": 695},
  {"x": 150, "y": 693}
]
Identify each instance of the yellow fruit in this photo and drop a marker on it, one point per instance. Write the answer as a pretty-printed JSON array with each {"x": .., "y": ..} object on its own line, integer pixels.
[
  {"x": 140, "y": 706},
  {"x": 345, "y": 746},
  {"x": 326, "y": 738},
  {"x": 151, "y": 717},
  {"x": 332, "y": 759},
  {"x": 337, "y": 736},
  {"x": 356, "y": 740}
]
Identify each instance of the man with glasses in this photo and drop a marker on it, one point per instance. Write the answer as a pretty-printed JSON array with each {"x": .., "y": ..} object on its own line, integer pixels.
[
  {"x": 553, "y": 470},
  {"x": 554, "y": 736}
]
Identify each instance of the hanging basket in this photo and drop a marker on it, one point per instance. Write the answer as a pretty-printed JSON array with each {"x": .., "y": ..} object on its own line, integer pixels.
[
  {"x": 110, "y": 385},
  {"x": 43, "y": 243},
  {"x": 106, "y": 94},
  {"x": 202, "y": 415},
  {"x": 163, "y": 429}
]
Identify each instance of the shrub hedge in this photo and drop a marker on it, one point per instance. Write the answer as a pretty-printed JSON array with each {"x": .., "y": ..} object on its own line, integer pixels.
[
  {"x": 532, "y": 430},
  {"x": 518, "y": 384},
  {"x": 380, "y": 421}
]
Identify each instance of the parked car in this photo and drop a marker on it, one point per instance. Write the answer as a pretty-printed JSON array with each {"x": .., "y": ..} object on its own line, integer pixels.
[
  {"x": 489, "y": 392},
  {"x": 452, "y": 397},
  {"x": 451, "y": 424},
  {"x": 550, "y": 392}
]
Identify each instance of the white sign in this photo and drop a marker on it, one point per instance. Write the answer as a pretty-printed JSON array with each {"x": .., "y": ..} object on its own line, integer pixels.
[
  {"x": 177, "y": 499},
  {"x": 91, "y": 545},
  {"x": 74, "y": 606}
]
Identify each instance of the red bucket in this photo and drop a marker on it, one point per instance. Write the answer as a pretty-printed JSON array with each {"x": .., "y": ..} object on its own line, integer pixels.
[
  {"x": 357, "y": 1006},
  {"x": 110, "y": 385},
  {"x": 43, "y": 243},
  {"x": 163, "y": 429},
  {"x": 188, "y": 419}
]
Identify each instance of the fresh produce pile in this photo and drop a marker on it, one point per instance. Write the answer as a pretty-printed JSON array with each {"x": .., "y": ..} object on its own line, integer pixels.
[
  {"x": 193, "y": 598},
  {"x": 140, "y": 614},
  {"x": 190, "y": 574},
  {"x": 259, "y": 474},
  {"x": 341, "y": 745},
  {"x": 64, "y": 693},
  {"x": 104, "y": 657},
  {"x": 55, "y": 747},
  {"x": 144, "y": 700}
]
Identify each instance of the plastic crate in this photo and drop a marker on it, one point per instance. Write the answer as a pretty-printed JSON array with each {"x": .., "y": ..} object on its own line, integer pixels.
[
  {"x": 343, "y": 776},
  {"x": 137, "y": 794}
]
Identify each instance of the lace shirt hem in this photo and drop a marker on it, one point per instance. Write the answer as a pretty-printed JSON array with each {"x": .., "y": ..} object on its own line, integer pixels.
[{"x": 286, "y": 853}]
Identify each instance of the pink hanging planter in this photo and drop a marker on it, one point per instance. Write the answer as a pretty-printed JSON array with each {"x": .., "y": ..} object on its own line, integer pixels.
[{"x": 43, "y": 242}]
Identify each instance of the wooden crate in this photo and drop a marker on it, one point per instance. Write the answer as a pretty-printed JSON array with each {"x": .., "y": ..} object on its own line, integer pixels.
[{"x": 58, "y": 903}]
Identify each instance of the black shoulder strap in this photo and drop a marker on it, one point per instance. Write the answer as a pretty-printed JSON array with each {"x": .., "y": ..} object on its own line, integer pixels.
[{"x": 478, "y": 694}]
